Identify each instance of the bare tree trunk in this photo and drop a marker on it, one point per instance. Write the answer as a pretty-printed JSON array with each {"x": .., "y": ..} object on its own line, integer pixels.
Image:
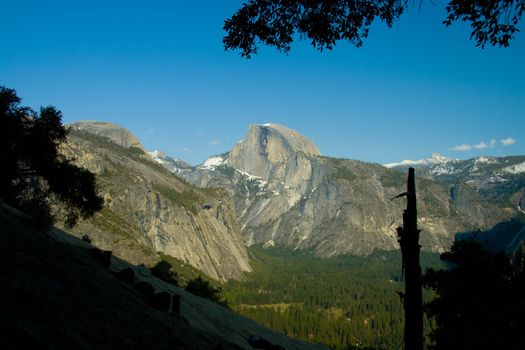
[{"x": 408, "y": 237}]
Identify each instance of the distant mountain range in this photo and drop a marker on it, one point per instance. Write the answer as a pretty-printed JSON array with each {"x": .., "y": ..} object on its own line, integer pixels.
[
  {"x": 286, "y": 193},
  {"x": 422, "y": 163},
  {"x": 275, "y": 188},
  {"x": 175, "y": 165},
  {"x": 499, "y": 179}
]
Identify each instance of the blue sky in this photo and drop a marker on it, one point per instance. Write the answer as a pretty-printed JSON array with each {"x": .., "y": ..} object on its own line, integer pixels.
[{"x": 159, "y": 69}]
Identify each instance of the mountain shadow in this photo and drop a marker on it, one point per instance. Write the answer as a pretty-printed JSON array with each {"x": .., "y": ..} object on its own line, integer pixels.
[{"x": 507, "y": 236}]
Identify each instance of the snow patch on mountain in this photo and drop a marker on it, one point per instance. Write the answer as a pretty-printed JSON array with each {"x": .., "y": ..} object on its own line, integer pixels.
[
  {"x": 444, "y": 169},
  {"x": 481, "y": 162},
  {"x": 212, "y": 162},
  {"x": 174, "y": 165},
  {"x": 435, "y": 159},
  {"x": 485, "y": 160},
  {"x": 406, "y": 162},
  {"x": 496, "y": 178},
  {"x": 515, "y": 169},
  {"x": 252, "y": 177},
  {"x": 158, "y": 156}
]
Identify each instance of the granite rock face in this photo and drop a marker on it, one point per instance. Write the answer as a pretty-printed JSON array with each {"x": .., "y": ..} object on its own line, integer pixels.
[
  {"x": 267, "y": 147},
  {"x": 272, "y": 188},
  {"x": 287, "y": 194},
  {"x": 148, "y": 209},
  {"x": 117, "y": 134}
]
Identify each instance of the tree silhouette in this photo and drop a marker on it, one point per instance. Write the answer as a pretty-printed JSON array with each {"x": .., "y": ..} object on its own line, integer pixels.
[
  {"x": 480, "y": 301},
  {"x": 34, "y": 175},
  {"x": 325, "y": 22},
  {"x": 408, "y": 237}
]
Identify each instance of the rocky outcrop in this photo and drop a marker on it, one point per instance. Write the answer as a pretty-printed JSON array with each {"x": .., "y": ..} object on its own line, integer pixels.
[
  {"x": 115, "y": 133},
  {"x": 268, "y": 173},
  {"x": 267, "y": 146},
  {"x": 148, "y": 210}
]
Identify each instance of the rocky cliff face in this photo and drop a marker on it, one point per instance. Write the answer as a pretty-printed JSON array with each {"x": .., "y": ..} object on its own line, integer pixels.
[
  {"x": 148, "y": 209},
  {"x": 269, "y": 148},
  {"x": 287, "y": 194},
  {"x": 284, "y": 193},
  {"x": 117, "y": 134}
]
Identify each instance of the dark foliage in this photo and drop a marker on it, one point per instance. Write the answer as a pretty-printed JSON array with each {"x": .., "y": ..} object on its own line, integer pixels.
[
  {"x": 127, "y": 275},
  {"x": 163, "y": 270},
  {"x": 492, "y": 22},
  {"x": 161, "y": 301},
  {"x": 261, "y": 343},
  {"x": 146, "y": 289},
  {"x": 204, "y": 289},
  {"x": 103, "y": 257},
  {"x": 480, "y": 300},
  {"x": 34, "y": 175},
  {"x": 324, "y": 22},
  {"x": 175, "y": 304}
]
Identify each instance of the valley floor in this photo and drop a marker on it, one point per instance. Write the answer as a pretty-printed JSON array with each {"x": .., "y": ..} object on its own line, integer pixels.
[{"x": 344, "y": 302}]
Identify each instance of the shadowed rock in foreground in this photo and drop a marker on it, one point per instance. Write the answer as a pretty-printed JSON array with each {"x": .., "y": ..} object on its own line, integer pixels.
[{"x": 54, "y": 295}]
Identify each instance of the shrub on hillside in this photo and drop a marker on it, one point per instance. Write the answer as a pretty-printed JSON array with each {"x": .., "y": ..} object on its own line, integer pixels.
[
  {"x": 204, "y": 289},
  {"x": 163, "y": 270}
]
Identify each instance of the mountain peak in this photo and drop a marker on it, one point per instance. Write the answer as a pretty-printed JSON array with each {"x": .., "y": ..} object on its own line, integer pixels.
[
  {"x": 174, "y": 165},
  {"x": 297, "y": 141},
  {"x": 265, "y": 145},
  {"x": 438, "y": 158},
  {"x": 435, "y": 159},
  {"x": 157, "y": 154},
  {"x": 115, "y": 133}
]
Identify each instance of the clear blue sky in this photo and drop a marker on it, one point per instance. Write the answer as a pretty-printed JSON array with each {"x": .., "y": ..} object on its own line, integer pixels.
[{"x": 159, "y": 69}]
